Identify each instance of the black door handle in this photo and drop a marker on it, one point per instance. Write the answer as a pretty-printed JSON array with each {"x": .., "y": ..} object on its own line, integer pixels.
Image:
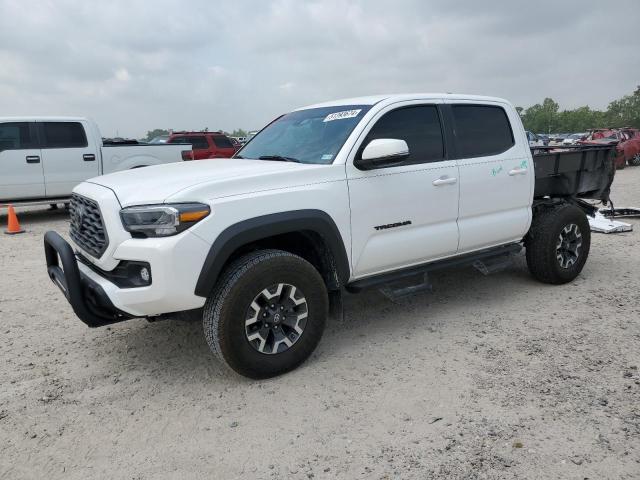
[
  {"x": 33, "y": 159},
  {"x": 88, "y": 157}
]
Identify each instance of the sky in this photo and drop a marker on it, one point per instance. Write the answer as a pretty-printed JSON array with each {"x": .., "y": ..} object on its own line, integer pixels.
[{"x": 138, "y": 65}]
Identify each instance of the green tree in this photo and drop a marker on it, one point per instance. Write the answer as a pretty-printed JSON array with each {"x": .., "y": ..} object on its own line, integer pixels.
[
  {"x": 239, "y": 132},
  {"x": 151, "y": 134},
  {"x": 547, "y": 117},
  {"x": 625, "y": 112}
]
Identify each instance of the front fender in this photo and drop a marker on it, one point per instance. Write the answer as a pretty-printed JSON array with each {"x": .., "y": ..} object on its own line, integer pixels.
[{"x": 259, "y": 228}]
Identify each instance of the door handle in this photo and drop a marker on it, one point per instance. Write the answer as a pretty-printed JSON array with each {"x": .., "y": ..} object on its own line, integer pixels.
[
  {"x": 518, "y": 171},
  {"x": 32, "y": 159},
  {"x": 445, "y": 181},
  {"x": 88, "y": 157}
]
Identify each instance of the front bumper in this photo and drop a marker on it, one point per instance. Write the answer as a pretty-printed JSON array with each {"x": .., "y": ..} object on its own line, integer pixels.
[{"x": 87, "y": 298}]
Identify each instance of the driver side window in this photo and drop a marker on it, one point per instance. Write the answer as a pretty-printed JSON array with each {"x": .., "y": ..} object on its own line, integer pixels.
[
  {"x": 16, "y": 136},
  {"x": 419, "y": 126}
]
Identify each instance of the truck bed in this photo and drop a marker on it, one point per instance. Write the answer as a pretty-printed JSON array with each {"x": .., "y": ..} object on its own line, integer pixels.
[{"x": 581, "y": 172}]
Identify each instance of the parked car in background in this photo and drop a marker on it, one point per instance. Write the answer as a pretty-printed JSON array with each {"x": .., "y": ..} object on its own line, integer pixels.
[
  {"x": 43, "y": 158},
  {"x": 574, "y": 138},
  {"x": 159, "y": 139},
  {"x": 544, "y": 137},
  {"x": 236, "y": 143},
  {"x": 626, "y": 139},
  {"x": 534, "y": 140},
  {"x": 204, "y": 145},
  {"x": 556, "y": 138}
]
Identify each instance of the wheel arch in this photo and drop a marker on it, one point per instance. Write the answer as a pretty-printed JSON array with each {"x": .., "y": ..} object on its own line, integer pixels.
[{"x": 311, "y": 234}]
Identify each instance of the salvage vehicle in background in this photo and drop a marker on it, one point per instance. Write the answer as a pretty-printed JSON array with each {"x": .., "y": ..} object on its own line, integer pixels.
[
  {"x": 574, "y": 138},
  {"x": 534, "y": 140},
  {"x": 43, "y": 158},
  {"x": 626, "y": 140},
  {"x": 350, "y": 194},
  {"x": 204, "y": 145}
]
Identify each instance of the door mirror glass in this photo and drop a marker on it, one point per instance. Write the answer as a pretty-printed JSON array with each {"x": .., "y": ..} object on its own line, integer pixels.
[{"x": 381, "y": 153}]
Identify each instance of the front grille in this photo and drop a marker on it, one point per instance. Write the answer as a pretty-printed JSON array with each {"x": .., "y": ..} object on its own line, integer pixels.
[{"x": 87, "y": 228}]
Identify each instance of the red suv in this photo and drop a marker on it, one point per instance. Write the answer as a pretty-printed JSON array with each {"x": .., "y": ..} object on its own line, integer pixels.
[{"x": 204, "y": 145}]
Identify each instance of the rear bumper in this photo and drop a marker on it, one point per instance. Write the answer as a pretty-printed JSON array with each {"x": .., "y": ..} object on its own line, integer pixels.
[{"x": 87, "y": 298}]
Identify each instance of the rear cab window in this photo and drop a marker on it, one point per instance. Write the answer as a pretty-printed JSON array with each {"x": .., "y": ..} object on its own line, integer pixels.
[
  {"x": 481, "y": 130},
  {"x": 63, "y": 135}
]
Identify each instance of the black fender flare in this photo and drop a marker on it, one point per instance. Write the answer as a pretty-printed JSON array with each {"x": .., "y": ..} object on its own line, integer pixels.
[{"x": 258, "y": 228}]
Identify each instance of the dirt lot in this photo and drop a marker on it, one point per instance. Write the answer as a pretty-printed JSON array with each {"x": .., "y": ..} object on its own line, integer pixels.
[{"x": 487, "y": 377}]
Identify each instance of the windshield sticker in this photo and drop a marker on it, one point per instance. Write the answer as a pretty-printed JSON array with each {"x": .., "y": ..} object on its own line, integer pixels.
[
  {"x": 326, "y": 156},
  {"x": 342, "y": 115}
]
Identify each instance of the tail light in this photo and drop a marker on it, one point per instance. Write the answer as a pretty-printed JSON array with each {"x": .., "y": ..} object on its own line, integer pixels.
[{"x": 187, "y": 154}]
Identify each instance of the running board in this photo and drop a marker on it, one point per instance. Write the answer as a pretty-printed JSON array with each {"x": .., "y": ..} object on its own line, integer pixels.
[
  {"x": 410, "y": 286},
  {"x": 489, "y": 259}
]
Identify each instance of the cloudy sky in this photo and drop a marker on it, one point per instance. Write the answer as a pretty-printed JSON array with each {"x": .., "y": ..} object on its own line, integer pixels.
[{"x": 138, "y": 65}]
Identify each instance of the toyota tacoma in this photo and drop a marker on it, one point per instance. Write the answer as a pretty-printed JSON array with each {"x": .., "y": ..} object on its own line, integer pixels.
[{"x": 352, "y": 194}]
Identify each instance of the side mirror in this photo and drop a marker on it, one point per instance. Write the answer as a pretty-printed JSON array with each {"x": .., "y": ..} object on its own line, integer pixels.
[{"x": 382, "y": 153}]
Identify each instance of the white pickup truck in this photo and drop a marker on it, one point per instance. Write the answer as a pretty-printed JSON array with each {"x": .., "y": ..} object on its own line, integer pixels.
[
  {"x": 350, "y": 194},
  {"x": 43, "y": 158}
]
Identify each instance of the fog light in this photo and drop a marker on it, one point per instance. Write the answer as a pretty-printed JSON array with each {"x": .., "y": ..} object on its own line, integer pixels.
[{"x": 144, "y": 274}]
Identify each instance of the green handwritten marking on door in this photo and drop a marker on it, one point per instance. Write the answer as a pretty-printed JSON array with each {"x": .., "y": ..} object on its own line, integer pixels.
[
  {"x": 523, "y": 164},
  {"x": 495, "y": 171}
]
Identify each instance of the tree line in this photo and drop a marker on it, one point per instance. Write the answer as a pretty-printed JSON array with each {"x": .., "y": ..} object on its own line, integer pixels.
[{"x": 547, "y": 117}]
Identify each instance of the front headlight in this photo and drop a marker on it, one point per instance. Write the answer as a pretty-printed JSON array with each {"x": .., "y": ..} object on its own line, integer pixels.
[{"x": 162, "y": 220}]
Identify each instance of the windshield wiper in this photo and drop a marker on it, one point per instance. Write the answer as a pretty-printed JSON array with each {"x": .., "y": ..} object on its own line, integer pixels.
[{"x": 279, "y": 158}]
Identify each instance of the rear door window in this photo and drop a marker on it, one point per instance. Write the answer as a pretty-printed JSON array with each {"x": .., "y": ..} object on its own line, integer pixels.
[
  {"x": 419, "y": 126},
  {"x": 222, "y": 142},
  {"x": 198, "y": 142},
  {"x": 481, "y": 130},
  {"x": 63, "y": 135},
  {"x": 16, "y": 136}
]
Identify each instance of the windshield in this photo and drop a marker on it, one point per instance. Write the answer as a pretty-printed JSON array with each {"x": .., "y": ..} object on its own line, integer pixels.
[{"x": 314, "y": 135}]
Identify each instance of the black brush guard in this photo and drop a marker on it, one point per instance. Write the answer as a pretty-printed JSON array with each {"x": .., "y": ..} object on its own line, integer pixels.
[{"x": 88, "y": 300}]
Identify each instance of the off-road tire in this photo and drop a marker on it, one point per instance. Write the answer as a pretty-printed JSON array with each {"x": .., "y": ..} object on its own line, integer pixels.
[
  {"x": 541, "y": 243},
  {"x": 225, "y": 311},
  {"x": 635, "y": 160}
]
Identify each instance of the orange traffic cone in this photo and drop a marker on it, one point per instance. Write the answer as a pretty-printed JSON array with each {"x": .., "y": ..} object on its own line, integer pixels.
[{"x": 13, "y": 226}]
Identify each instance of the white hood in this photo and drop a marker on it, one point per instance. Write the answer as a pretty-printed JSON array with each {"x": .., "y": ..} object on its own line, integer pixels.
[{"x": 218, "y": 177}]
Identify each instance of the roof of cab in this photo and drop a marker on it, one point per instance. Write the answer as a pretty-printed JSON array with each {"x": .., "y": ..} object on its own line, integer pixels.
[{"x": 373, "y": 99}]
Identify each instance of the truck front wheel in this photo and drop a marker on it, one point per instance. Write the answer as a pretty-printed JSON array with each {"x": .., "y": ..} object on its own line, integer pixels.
[
  {"x": 267, "y": 313},
  {"x": 557, "y": 244}
]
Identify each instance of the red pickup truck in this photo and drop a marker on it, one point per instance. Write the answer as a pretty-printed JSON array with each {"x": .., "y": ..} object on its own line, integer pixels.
[
  {"x": 204, "y": 145},
  {"x": 626, "y": 139}
]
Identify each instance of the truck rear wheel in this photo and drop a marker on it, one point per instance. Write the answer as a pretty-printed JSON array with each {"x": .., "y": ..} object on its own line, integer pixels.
[
  {"x": 557, "y": 244},
  {"x": 267, "y": 313}
]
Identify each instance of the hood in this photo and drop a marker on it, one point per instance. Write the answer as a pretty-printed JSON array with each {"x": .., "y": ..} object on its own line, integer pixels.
[{"x": 156, "y": 184}]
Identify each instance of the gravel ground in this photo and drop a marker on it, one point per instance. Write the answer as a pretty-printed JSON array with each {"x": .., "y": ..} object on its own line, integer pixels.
[{"x": 486, "y": 377}]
